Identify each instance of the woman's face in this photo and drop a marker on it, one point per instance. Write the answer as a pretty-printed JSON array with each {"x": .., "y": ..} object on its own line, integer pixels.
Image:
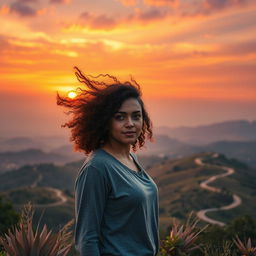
[{"x": 126, "y": 124}]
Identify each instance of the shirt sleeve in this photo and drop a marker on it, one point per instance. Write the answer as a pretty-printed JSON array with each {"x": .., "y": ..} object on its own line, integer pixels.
[{"x": 91, "y": 192}]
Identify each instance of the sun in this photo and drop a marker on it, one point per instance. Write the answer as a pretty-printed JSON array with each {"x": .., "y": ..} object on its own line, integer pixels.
[{"x": 72, "y": 94}]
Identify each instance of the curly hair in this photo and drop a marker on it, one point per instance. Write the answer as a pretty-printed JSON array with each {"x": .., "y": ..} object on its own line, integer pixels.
[{"x": 94, "y": 107}]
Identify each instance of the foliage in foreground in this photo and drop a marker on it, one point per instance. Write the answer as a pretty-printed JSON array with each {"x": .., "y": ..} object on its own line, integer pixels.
[
  {"x": 23, "y": 241},
  {"x": 186, "y": 240},
  {"x": 245, "y": 248},
  {"x": 8, "y": 216},
  {"x": 182, "y": 239}
]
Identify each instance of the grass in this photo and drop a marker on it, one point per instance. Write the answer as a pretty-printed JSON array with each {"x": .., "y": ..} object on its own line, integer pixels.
[{"x": 35, "y": 195}]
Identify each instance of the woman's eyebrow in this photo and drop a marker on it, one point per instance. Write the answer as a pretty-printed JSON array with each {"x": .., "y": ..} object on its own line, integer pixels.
[{"x": 123, "y": 112}]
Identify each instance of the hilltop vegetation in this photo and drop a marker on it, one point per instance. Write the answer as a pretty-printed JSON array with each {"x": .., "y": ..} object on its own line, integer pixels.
[
  {"x": 37, "y": 195},
  {"x": 179, "y": 191},
  {"x": 178, "y": 182},
  {"x": 62, "y": 177},
  {"x": 24, "y": 176}
]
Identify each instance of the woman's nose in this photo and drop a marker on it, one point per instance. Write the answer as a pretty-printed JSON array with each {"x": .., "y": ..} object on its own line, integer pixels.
[{"x": 129, "y": 122}]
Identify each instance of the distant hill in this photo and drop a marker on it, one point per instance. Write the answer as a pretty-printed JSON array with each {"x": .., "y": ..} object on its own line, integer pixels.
[
  {"x": 67, "y": 150},
  {"x": 243, "y": 150},
  {"x": 235, "y": 138},
  {"x": 164, "y": 145},
  {"x": 14, "y": 160},
  {"x": 172, "y": 148},
  {"x": 19, "y": 143},
  {"x": 179, "y": 192},
  {"x": 38, "y": 195},
  {"x": 177, "y": 179},
  {"x": 45, "y": 143},
  {"x": 28, "y": 184},
  {"x": 62, "y": 177},
  {"x": 236, "y": 130},
  {"x": 22, "y": 177}
]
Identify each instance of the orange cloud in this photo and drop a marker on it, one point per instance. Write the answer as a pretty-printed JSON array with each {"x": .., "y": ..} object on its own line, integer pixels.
[
  {"x": 128, "y": 2},
  {"x": 103, "y": 22},
  {"x": 42, "y": 11},
  {"x": 181, "y": 56},
  {"x": 220, "y": 4},
  {"x": 172, "y": 3},
  {"x": 60, "y": 1},
  {"x": 22, "y": 9},
  {"x": 5, "y": 9},
  {"x": 97, "y": 21},
  {"x": 147, "y": 16}
]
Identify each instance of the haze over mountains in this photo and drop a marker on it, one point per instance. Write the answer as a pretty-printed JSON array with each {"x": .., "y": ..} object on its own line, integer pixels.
[
  {"x": 177, "y": 179},
  {"x": 236, "y": 130},
  {"x": 43, "y": 170},
  {"x": 235, "y": 139}
]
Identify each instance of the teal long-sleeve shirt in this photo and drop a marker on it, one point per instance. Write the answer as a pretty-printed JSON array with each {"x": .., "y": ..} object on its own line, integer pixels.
[{"x": 117, "y": 210}]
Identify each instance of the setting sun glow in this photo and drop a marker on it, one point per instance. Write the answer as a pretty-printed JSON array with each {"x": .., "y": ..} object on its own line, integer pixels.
[
  {"x": 194, "y": 60},
  {"x": 72, "y": 94}
]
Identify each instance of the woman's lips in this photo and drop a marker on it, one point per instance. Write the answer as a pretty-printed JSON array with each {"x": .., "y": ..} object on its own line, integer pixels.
[{"x": 129, "y": 133}]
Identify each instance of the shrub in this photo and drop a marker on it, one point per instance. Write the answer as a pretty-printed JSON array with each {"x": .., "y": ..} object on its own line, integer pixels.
[
  {"x": 182, "y": 239},
  {"x": 23, "y": 241}
]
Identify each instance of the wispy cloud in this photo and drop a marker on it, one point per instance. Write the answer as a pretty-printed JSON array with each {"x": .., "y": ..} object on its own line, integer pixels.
[
  {"x": 97, "y": 21},
  {"x": 104, "y": 22},
  {"x": 60, "y": 1},
  {"x": 21, "y": 8},
  {"x": 208, "y": 7},
  {"x": 220, "y": 4},
  {"x": 155, "y": 10},
  {"x": 149, "y": 15},
  {"x": 172, "y": 3},
  {"x": 128, "y": 2},
  {"x": 159, "y": 40}
]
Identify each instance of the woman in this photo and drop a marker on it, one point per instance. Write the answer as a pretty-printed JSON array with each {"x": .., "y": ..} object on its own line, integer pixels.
[{"x": 116, "y": 201}]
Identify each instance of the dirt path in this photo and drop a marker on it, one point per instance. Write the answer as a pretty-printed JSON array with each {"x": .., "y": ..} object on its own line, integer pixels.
[
  {"x": 204, "y": 185},
  {"x": 59, "y": 193},
  {"x": 40, "y": 177}
]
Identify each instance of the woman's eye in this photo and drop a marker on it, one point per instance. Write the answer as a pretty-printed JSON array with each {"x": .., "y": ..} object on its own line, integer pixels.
[
  {"x": 137, "y": 117},
  {"x": 119, "y": 117}
]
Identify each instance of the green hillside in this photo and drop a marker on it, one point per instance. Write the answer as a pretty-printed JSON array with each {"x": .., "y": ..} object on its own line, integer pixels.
[
  {"x": 22, "y": 177},
  {"x": 179, "y": 191},
  {"x": 62, "y": 177},
  {"x": 37, "y": 195},
  {"x": 178, "y": 182}
]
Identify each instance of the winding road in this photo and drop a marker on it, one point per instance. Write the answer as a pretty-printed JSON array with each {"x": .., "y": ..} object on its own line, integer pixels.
[
  {"x": 62, "y": 198},
  {"x": 59, "y": 193},
  {"x": 39, "y": 178},
  {"x": 204, "y": 185}
]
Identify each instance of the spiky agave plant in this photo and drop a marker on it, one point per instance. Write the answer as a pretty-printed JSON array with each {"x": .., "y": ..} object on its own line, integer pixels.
[
  {"x": 245, "y": 248},
  {"x": 23, "y": 241},
  {"x": 182, "y": 238},
  {"x": 224, "y": 249}
]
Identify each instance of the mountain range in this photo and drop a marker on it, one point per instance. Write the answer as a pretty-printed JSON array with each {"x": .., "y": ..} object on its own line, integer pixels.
[
  {"x": 25, "y": 150},
  {"x": 178, "y": 181},
  {"x": 234, "y": 130}
]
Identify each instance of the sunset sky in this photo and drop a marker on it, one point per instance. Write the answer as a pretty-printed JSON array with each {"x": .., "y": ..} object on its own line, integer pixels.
[{"x": 195, "y": 59}]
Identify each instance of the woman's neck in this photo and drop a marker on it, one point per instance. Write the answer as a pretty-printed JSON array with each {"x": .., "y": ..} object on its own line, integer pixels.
[{"x": 120, "y": 151}]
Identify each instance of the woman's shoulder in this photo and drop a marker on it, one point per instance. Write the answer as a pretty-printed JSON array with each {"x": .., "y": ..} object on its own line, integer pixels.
[
  {"x": 99, "y": 159},
  {"x": 134, "y": 155},
  {"x": 96, "y": 160}
]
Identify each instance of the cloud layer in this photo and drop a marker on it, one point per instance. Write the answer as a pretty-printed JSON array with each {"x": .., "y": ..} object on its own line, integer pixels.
[
  {"x": 207, "y": 48},
  {"x": 22, "y": 9}
]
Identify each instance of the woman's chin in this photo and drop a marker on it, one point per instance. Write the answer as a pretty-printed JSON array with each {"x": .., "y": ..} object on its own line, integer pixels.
[{"x": 130, "y": 141}]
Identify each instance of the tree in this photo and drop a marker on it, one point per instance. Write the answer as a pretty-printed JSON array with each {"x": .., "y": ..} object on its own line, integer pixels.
[{"x": 8, "y": 216}]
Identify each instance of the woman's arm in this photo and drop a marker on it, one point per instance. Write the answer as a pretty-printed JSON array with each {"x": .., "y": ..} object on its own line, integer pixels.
[{"x": 91, "y": 193}]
